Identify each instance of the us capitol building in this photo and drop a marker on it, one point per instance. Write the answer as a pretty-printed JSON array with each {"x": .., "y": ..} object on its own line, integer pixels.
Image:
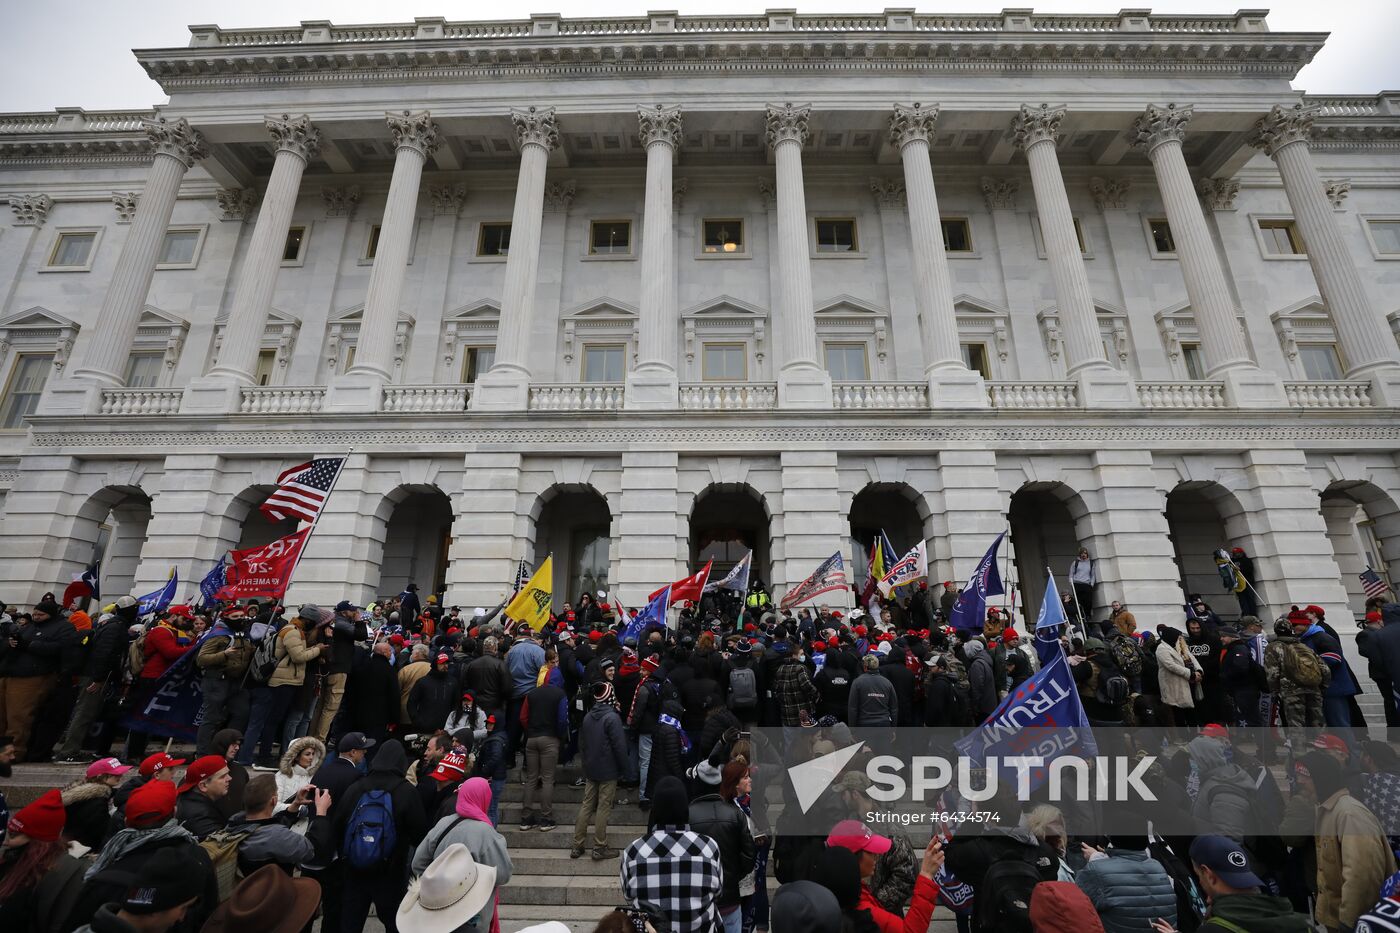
[{"x": 643, "y": 292}]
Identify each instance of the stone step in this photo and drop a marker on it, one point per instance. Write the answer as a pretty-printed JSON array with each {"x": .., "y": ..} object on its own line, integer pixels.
[
  {"x": 570, "y": 890},
  {"x": 516, "y": 917},
  {"x": 562, "y": 837},
  {"x": 547, "y": 861}
]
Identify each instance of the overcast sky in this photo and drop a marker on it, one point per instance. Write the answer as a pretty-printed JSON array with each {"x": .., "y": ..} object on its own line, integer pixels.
[{"x": 76, "y": 53}]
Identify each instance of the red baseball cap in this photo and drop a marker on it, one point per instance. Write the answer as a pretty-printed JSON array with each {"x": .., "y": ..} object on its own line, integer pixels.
[
  {"x": 1330, "y": 743},
  {"x": 444, "y": 659},
  {"x": 856, "y": 836},
  {"x": 104, "y": 766},
  {"x": 151, "y": 804},
  {"x": 595, "y": 636},
  {"x": 159, "y": 762},
  {"x": 202, "y": 769},
  {"x": 1215, "y": 730}
]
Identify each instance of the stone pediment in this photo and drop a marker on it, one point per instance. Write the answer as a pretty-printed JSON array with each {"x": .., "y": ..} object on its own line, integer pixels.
[
  {"x": 602, "y": 309},
  {"x": 37, "y": 318},
  {"x": 724, "y": 306},
  {"x": 848, "y": 307},
  {"x": 356, "y": 314},
  {"x": 482, "y": 310}
]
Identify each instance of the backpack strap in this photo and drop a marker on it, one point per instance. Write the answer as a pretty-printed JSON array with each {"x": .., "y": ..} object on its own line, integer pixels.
[
  {"x": 443, "y": 835},
  {"x": 1222, "y": 922}
]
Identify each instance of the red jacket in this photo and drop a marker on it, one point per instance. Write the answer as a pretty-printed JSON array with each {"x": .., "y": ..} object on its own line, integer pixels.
[
  {"x": 920, "y": 908},
  {"x": 163, "y": 647}
]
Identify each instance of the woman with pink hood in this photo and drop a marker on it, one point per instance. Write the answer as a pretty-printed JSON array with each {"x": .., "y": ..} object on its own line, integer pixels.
[{"x": 471, "y": 827}]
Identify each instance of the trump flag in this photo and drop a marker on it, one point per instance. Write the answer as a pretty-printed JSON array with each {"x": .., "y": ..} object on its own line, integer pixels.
[{"x": 265, "y": 571}]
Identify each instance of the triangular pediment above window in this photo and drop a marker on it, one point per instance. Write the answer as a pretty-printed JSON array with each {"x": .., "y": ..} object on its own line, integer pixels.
[
  {"x": 356, "y": 314},
  {"x": 847, "y": 306},
  {"x": 724, "y": 306},
  {"x": 603, "y": 308},
  {"x": 1309, "y": 309},
  {"x": 967, "y": 304},
  {"x": 154, "y": 320},
  {"x": 37, "y": 318},
  {"x": 482, "y": 310}
]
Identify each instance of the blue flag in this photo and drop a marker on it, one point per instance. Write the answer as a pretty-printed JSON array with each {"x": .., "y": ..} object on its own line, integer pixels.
[
  {"x": 970, "y": 610},
  {"x": 214, "y": 580},
  {"x": 653, "y": 614},
  {"x": 173, "y": 708},
  {"x": 1049, "y": 623},
  {"x": 91, "y": 578},
  {"x": 157, "y": 601}
]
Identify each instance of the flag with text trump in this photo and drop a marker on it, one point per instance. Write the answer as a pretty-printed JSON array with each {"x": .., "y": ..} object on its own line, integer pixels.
[
  {"x": 827, "y": 578},
  {"x": 264, "y": 571},
  {"x": 910, "y": 568}
]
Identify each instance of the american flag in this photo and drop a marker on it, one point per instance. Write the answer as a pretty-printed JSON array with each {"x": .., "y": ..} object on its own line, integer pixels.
[
  {"x": 1372, "y": 583},
  {"x": 522, "y": 576},
  {"x": 302, "y": 490}
]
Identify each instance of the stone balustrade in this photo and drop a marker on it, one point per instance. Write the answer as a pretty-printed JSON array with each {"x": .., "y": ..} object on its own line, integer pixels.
[
  {"x": 729, "y": 396},
  {"x": 576, "y": 397},
  {"x": 883, "y": 395},
  {"x": 1181, "y": 395},
  {"x": 140, "y": 401},
  {"x": 1328, "y": 394},
  {"x": 281, "y": 400},
  {"x": 426, "y": 398},
  {"x": 1034, "y": 395}
]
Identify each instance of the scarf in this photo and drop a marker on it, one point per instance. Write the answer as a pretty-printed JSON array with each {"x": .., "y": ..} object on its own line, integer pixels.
[
  {"x": 474, "y": 799},
  {"x": 129, "y": 840},
  {"x": 669, "y": 720}
]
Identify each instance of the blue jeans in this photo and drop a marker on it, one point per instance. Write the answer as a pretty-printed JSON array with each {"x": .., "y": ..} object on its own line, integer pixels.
[
  {"x": 270, "y": 706},
  {"x": 734, "y": 921},
  {"x": 494, "y": 811},
  {"x": 643, "y": 762},
  {"x": 296, "y": 726},
  {"x": 633, "y": 761}
]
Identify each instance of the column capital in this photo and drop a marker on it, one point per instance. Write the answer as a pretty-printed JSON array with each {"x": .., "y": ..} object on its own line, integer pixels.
[
  {"x": 176, "y": 138},
  {"x": 911, "y": 122},
  {"x": 235, "y": 203},
  {"x": 1283, "y": 126},
  {"x": 296, "y": 135},
  {"x": 889, "y": 191},
  {"x": 787, "y": 123},
  {"x": 1036, "y": 124},
  {"x": 125, "y": 202},
  {"x": 1158, "y": 125},
  {"x": 415, "y": 131},
  {"x": 448, "y": 199},
  {"x": 1218, "y": 194},
  {"x": 31, "y": 210},
  {"x": 660, "y": 124},
  {"x": 559, "y": 195},
  {"x": 1109, "y": 192},
  {"x": 536, "y": 126},
  {"x": 341, "y": 201},
  {"x": 1000, "y": 193}
]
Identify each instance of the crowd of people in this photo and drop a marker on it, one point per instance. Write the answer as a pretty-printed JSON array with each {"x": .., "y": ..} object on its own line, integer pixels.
[{"x": 354, "y": 758}]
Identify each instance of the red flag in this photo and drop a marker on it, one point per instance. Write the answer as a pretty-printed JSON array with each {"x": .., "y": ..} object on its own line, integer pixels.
[
  {"x": 263, "y": 571},
  {"x": 688, "y": 588}
]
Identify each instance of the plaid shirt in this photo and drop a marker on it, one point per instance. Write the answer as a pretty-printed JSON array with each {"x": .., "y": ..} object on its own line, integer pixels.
[
  {"x": 793, "y": 687},
  {"x": 677, "y": 872}
]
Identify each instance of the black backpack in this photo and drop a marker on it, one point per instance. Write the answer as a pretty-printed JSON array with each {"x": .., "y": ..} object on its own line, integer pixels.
[
  {"x": 1003, "y": 903},
  {"x": 1190, "y": 903}
]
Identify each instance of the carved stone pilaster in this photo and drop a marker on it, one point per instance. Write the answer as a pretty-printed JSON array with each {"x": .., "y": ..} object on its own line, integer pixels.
[
  {"x": 788, "y": 123},
  {"x": 415, "y": 131},
  {"x": 236, "y": 203},
  {"x": 678, "y": 193},
  {"x": 176, "y": 138},
  {"x": 1282, "y": 126},
  {"x": 769, "y": 190},
  {"x": 448, "y": 199},
  {"x": 889, "y": 192},
  {"x": 341, "y": 201},
  {"x": 294, "y": 134},
  {"x": 1109, "y": 193},
  {"x": 1218, "y": 194},
  {"x": 31, "y": 210},
  {"x": 1000, "y": 193},
  {"x": 911, "y": 122},
  {"x": 125, "y": 203},
  {"x": 660, "y": 124},
  {"x": 1036, "y": 124},
  {"x": 536, "y": 126},
  {"x": 559, "y": 195},
  {"x": 1158, "y": 125},
  {"x": 1337, "y": 190}
]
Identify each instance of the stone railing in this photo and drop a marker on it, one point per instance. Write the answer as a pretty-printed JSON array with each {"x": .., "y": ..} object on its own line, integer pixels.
[
  {"x": 1183, "y": 395},
  {"x": 140, "y": 401},
  {"x": 848, "y": 395},
  {"x": 727, "y": 396},
  {"x": 281, "y": 400},
  {"x": 1328, "y": 394},
  {"x": 576, "y": 397},
  {"x": 424, "y": 398},
  {"x": 95, "y": 121},
  {"x": 1033, "y": 394}
]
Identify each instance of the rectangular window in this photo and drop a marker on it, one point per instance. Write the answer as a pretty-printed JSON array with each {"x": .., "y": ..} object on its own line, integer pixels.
[
  {"x": 296, "y": 241},
  {"x": 178, "y": 248},
  {"x": 610, "y": 238},
  {"x": 1386, "y": 235},
  {"x": 348, "y": 358},
  {"x": 72, "y": 249},
  {"x": 1320, "y": 362},
  {"x": 724, "y": 362},
  {"x": 975, "y": 358},
  {"x": 1191, "y": 357},
  {"x": 603, "y": 363},
  {"x": 143, "y": 370},
  {"x": 494, "y": 240},
  {"x": 957, "y": 235},
  {"x": 1161, "y": 232},
  {"x": 1281, "y": 238},
  {"x": 26, "y": 385},
  {"x": 476, "y": 361},
  {"x": 836, "y": 236},
  {"x": 846, "y": 362},
  {"x": 724, "y": 236},
  {"x": 262, "y": 372},
  {"x": 1040, "y": 237},
  {"x": 372, "y": 244}
]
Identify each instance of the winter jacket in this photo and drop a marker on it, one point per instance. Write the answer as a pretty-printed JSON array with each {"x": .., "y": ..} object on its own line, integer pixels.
[
  {"x": 106, "y": 654},
  {"x": 1257, "y": 913},
  {"x": 545, "y": 712},
  {"x": 1385, "y": 643},
  {"x": 1129, "y": 890},
  {"x": 872, "y": 701},
  {"x": 920, "y": 909},
  {"x": 341, "y": 650},
  {"x": 487, "y": 846},
  {"x": 893, "y": 669},
  {"x": 713, "y": 816},
  {"x": 647, "y": 703},
  {"x": 211, "y": 658},
  {"x": 387, "y": 773},
  {"x": 1353, "y": 859},
  {"x": 336, "y": 776},
  {"x": 198, "y": 814},
  {"x": 85, "y": 805},
  {"x": 274, "y": 842},
  {"x": 372, "y": 696},
  {"x": 108, "y": 887},
  {"x": 473, "y": 721},
  {"x": 716, "y": 724},
  {"x": 940, "y": 701},
  {"x": 982, "y": 677},
  {"x": 432, "y": 699},
  {"x": 1330, "y": 651},
  {"x": 698, "y": 696},
  {"x": 603, "y": 744},
  {"x": 523, "y": 662},
  {"x": 162, "y": 648},
  {"x": 292, "y": 658},
  {"x": 491, "y": 762},
  {"x": 794, "y": 691},
  {"x": 41, "y": 649},
  {"x": 667, "y": 759},
  {"x": 1174, "y": 676},
  {"x": 833, "y": 682},
  {"x": 1237, "y": 669},
  {"x": 409, "y": 675},
  {"x": 1224, "y": 802},
  {"x": 292, "y": 777},
  {"x": 488, "y": 681}
]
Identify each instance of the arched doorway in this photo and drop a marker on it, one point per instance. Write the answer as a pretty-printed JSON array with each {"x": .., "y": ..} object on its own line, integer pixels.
[
  {"x": 1045, "y": 532},
  {"x": 574, "y": 524},
  {"x": 726, "y": 522},
  {"x": 416, "y": 539},
  {"x": 257, "y": 528},
  {"x": 892, "y": 508},
  {"x": 111, "y": 528},
  {"x": 1363, "y": 524},
  {"x": 1201, "y": 517}
]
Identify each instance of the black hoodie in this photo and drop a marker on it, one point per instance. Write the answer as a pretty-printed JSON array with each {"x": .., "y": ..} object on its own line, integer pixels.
[{"x": 387, "y": 772}]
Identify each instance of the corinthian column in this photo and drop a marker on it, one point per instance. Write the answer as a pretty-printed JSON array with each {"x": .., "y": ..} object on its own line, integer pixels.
[
  {"x": 653, "y": 383},
  {"x": 1037, "y": 132},
  {"x": 1366, "y": 344},
  {"x": 506, "y": 385},
  {"x": 802, "y": 382},
  {"x": 951, "y": 383},
  {"x": 1160, "y": 131}
]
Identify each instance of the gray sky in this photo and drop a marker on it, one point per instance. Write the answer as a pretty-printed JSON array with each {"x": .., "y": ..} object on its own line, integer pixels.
[{"x": 76, "y": 53}]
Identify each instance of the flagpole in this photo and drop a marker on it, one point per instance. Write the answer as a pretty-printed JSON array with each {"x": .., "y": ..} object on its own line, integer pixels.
[
  {"x": 1083, "y": 629},
  {"x": 1250, "y": 586},
  {"x": 296, "y": 564}
]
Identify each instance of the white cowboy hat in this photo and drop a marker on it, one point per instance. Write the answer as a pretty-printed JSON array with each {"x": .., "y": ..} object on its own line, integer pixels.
[{"x": 452, "y": 890}]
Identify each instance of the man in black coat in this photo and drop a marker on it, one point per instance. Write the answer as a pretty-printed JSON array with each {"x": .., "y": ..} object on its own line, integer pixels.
[
  {"x": 106, "y": 658},
  {"x": 713, "y": 816},
  {"x": 373, "y": 692},
  {"x": 345, "y": 630},
  {"x": 338, "y": 773},
  {"x": 434, "y": 697},
  {"x": 892, "y": 668},
  {"x": 31, "y": 651}
]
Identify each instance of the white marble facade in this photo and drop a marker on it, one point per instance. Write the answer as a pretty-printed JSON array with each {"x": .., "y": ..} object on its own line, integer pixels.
[{"x": 1161, "y": 316}]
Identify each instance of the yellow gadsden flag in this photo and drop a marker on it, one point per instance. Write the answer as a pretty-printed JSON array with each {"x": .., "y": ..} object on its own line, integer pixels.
[{"x": 531, "y": 604}]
